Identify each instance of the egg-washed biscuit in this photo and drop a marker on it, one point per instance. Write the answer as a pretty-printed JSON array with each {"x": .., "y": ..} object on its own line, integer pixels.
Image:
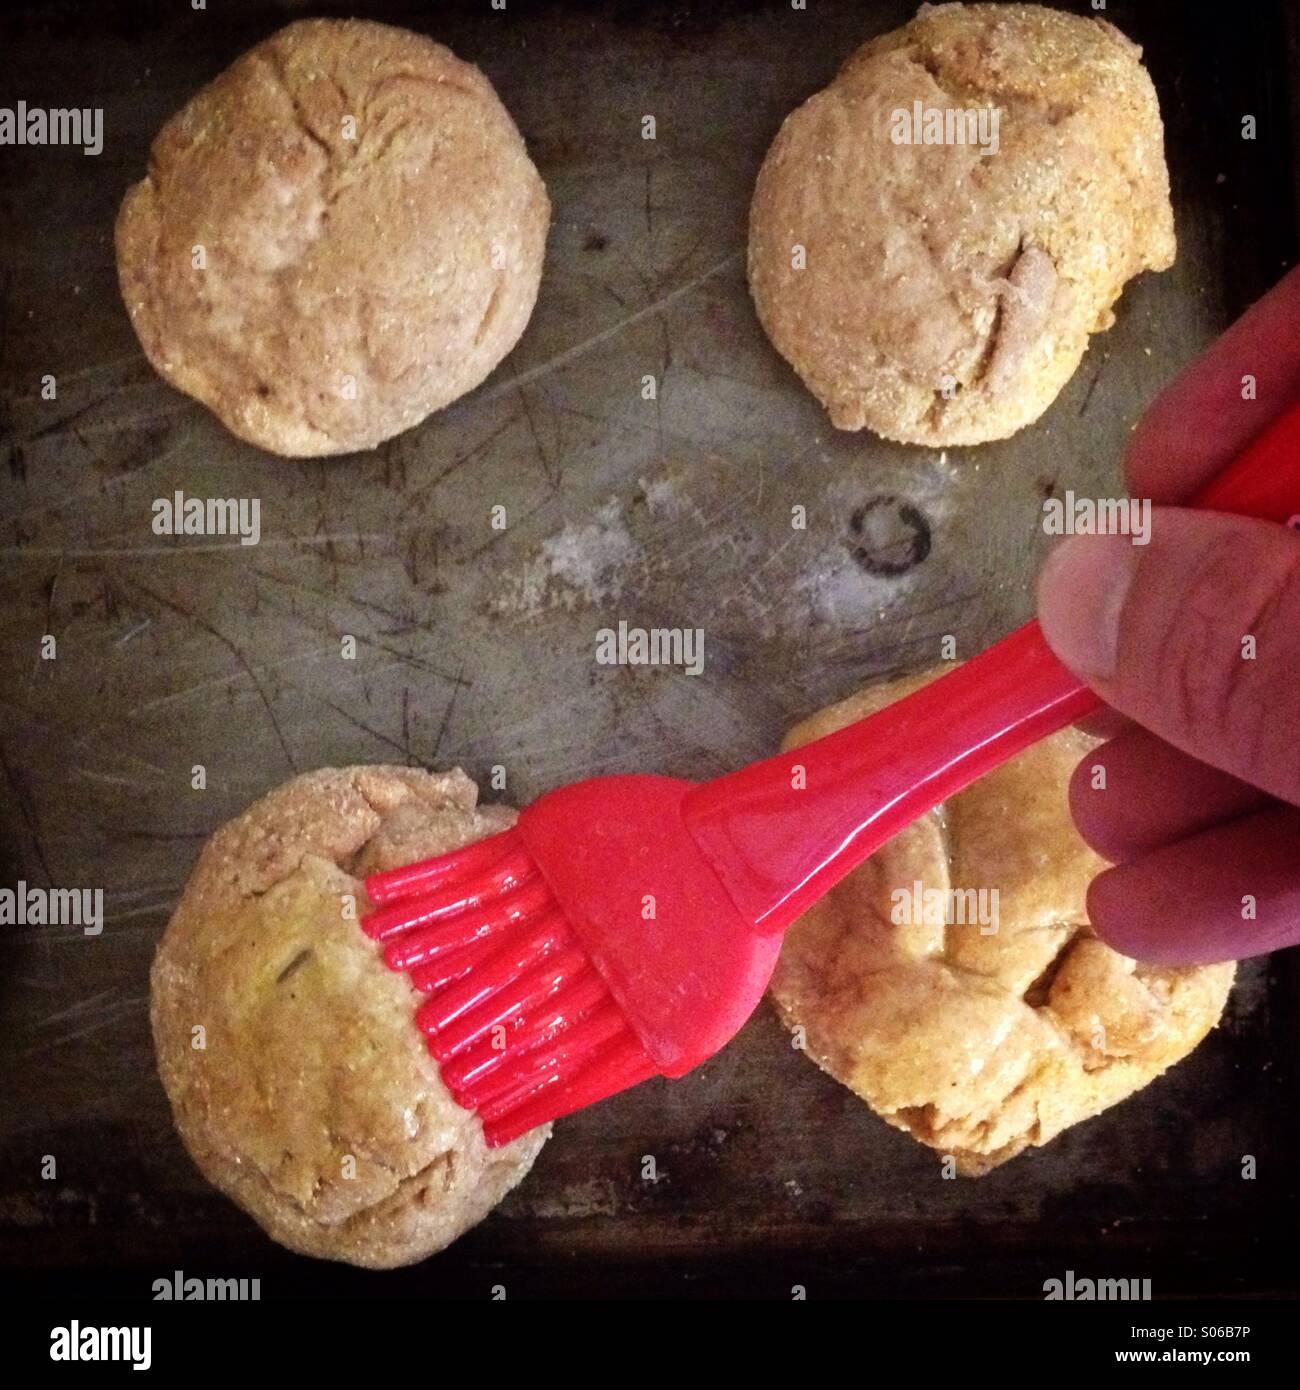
[
  {"x": 370, "y": 230},
  {"x": 297, "y": 1077},
  {"x": 977, "y": 1043},
  {"x": 947, "y": 295}
]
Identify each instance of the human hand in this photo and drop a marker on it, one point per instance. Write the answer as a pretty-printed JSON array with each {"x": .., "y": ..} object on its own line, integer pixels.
[{"x": 1197, "y": 801}]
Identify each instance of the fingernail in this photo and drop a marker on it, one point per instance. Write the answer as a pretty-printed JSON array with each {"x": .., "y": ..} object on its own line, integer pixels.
[{"x": 1081, "y": 595}]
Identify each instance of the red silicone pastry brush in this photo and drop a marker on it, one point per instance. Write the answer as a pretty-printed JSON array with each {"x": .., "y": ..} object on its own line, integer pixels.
[{"x": 626, "y": 927}]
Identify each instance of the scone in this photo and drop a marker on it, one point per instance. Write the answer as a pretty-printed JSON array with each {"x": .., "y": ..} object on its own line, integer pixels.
[
  {"x": 339, "y": 235},
  {"x": 947, "y": 294},
  {"x": 297, "y": 1078},
  {"x": 983, "y": 1042}
]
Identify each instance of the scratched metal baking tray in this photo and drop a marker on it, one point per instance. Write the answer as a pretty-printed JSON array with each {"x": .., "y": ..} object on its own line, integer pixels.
[{"x": 476, "y": 647}]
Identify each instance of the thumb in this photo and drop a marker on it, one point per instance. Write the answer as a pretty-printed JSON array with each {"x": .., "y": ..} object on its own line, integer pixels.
[{"x": 1160, "y": 632}]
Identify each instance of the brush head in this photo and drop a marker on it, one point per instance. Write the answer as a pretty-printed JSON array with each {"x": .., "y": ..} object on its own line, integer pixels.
[{"x": 584, "y": 950}]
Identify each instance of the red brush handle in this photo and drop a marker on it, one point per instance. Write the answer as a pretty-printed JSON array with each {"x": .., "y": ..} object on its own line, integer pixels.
[{"x": 778, "y": 845}]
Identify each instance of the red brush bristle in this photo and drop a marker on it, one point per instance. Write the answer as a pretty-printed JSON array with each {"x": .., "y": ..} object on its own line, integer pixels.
[
  {"x": 419, "y": 944},
  {"x": 459, "y": 866},
  {"x": 500, "y": 1076},
  {"x": 523, "y": 1027},
  {"x": 511, "y": 873},
  {"x": 510, "y": 976},
  {"x": 443, "y": 971},
  {"x": 509, "y": 1048},
  {"x": 550, "y": 990},
  {"x": 622, "y": 1064}
]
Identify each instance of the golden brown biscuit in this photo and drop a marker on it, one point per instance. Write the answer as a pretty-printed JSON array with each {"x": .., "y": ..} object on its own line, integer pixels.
[
  {"x": 948, "y": 295},
  {"x": 982, "y": 1043},
  {"x": 312, "y": 1101},
  {"x": 372, "y": 233}
]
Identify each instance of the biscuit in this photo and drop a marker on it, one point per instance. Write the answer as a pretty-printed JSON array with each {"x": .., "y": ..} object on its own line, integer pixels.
[
  {"x": 948, "y": 294},
  {"x": 981, "y": 1044},
  {"x": 371, "y": 232},
  {"x": 309, "y": 1097}
]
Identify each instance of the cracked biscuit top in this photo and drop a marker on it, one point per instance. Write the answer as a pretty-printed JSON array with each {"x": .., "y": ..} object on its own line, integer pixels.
[
  {"x": 949, "y": 289},
  {"x": 309, "y": 1096},
  {"x": 339, "y": 235},
  {"x": 978, "y": 1042}
]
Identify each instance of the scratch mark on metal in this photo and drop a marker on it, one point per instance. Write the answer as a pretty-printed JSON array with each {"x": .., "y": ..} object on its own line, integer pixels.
[
  {"x": 230, "y": 646},
  {"x": 446, "y": 717},
  {"x": 365, "y": 728},
  {"x": 552, "y": 478},
  {"x": 572, "y": 354},
  {"x": 134, "y": 632},
  {"x": 1092, "y": 386},
  {"x": 27, "y": 807}
]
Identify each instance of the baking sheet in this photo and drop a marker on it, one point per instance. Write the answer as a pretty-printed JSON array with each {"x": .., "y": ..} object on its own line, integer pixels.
[{"x": 476, "y": 648}]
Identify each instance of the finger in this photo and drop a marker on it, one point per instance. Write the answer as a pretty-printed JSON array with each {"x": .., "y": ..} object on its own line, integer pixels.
[
  {"x": 1202, "y": 421},
  {"x": 1137, "y": 793},
  {"x": 1195, "y": 636},
  {"x": 1227, "y": 893},
  {"x": 1105, "y": 723}
]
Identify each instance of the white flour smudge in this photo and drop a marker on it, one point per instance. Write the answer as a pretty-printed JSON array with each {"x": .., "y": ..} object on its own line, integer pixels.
[
  {"x": 660, "y": 495},
  {"x": 583, "y": 563}
]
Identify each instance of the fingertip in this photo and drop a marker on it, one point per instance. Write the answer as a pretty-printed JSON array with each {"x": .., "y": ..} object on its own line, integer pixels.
[
  {"x": 1090, "y": 810},
  {"x": 1105, "y": 723},
  {"x": 1128, "y": 909},
  {"x": 1225, "y": 894},
  {"x": 1081, "y": 592},
  {"x": 1117, "y": 915},
  {"x": 1206, "y": 415}
]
